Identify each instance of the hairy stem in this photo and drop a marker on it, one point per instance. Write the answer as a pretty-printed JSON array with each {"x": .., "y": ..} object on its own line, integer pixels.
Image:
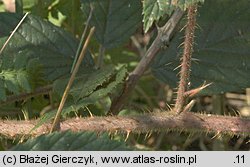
[
  {"x": 164, "y": 121},
  {"x": 186, "y": 59},
  {"x": 164, "y": 35}
]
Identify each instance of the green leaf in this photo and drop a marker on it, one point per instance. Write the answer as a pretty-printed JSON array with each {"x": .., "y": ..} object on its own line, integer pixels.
[
  {"x": 115, "y": 20},
  {"x": 83, "y": 88},
  {"x": 97, "y": 94},
  {"x": 37, "y": 38},
  {"x": 2, "y": 90},
  {"x": 91, "y": 88},
  {"x": 119, "y": 78},
  {"x": 153, "y": 10},
  {"x": 70, "y": 141},
  {"x": 92, "y": 97},
  {"x": 29, "y": 4},
  {"x": 15, "y": 81},
  {"x": 22, "y": 79},
  {"x": 221, "y": 53},
  {"x": 20, "y": 62},
  {"x": 7, "y": 62},
  {"x": 38, "y": 51},
  {"x": 35, "y": 73},
  {"x": 74, "y": 19},
  {"x": 10, "y": 81},
  {"x": 14, "y": 76},
  {"x": 85, "y": 83},
  {"x": 38, "y": 7}
]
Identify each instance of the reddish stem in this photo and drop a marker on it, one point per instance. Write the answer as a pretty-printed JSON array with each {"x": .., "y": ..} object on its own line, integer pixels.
[{"x": 186, "y": 59}]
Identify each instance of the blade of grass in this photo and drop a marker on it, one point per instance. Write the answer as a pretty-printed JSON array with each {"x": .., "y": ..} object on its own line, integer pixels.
[
  {"x": 56, "y": 123},
  {"x": 82, "y": 39}
]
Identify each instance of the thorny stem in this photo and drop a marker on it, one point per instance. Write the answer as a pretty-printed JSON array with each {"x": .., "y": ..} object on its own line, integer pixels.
[
  {"x": 186, "y": 59},
  {"x": 164, "y": 35},
  {"x": 159, "y": 122}
]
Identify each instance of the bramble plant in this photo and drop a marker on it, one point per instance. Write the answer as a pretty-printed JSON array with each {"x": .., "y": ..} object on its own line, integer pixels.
[{"x": 124, "y": 75}]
